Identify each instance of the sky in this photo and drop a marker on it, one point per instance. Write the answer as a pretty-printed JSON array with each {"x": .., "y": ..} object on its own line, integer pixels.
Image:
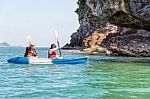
[{"x": 39, "y": 19}]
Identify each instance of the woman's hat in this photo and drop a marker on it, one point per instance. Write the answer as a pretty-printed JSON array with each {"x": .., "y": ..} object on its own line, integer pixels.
[{"x": 53, "y": 46}]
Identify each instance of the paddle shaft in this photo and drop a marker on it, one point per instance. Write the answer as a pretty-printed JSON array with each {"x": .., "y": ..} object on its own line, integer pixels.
[
  {"x": 56, "y": 34},
  {"x": 59, "y": 47}
]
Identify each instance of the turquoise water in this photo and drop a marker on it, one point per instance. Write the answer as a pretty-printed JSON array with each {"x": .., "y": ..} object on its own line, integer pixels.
[{"x": 102, "y": 78}]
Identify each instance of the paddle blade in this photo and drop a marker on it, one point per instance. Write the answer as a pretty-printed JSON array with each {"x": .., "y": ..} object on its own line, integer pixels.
[
  {"x": 29, "y": 40},
  {"x": 56, "y": 34}
]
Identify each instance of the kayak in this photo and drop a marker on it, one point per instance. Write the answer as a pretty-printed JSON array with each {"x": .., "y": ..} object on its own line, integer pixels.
[{"x": 26, "y": 60}]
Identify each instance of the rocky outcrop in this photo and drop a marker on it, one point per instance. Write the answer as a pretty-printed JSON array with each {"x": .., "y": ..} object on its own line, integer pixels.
[
  {"x": 97, "y": 38},
  {"x": 4, "y": 44},
  {"x": 130, "y": 17},
  {"x": 131, "y": 43}
]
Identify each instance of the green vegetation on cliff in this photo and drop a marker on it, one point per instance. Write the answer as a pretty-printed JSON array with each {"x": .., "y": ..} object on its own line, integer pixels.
[
  {"x": 83, "y": 8},
  {"x": 81, "y": 4}
]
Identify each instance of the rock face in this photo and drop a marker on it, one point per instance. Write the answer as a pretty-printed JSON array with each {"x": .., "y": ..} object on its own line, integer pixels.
[
  {"x": 120, "y": 26},
  {"x": 132, "y": 43}
]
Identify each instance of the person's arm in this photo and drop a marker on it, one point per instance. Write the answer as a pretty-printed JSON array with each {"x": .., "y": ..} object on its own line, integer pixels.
[
  {"x": 35, "y": 53},
  {"x": 26, "y": 52},
  {"x": 54, "y": 49},
  {"x": 49, "y": 56}
]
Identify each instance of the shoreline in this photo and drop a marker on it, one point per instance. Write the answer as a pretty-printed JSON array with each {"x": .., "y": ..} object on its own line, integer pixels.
[{"x": 77, "y": 51}]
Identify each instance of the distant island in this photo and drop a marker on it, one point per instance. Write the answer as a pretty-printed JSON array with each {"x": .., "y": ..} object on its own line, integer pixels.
[{"x": 4, "y": 44}]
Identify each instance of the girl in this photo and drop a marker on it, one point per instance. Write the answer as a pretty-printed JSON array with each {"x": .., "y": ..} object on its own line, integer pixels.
[{"x": 52, "y": 51}]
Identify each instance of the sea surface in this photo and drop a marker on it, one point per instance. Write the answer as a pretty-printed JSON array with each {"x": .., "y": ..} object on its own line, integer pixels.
[{"x": 102, "y": 77}]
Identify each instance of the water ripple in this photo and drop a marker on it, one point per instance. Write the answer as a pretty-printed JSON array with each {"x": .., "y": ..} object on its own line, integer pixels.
[{"x": 103, "y": 78}]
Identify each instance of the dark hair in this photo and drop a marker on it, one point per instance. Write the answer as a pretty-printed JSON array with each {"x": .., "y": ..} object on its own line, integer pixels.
[{"x": 53, "y": 46}]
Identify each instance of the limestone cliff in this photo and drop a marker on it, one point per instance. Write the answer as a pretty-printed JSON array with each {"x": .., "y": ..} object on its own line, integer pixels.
[{"x": 120, "y": 26}]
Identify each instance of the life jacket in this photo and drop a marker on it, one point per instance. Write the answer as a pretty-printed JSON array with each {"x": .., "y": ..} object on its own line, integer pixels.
[
  {"x": 52, "y": 55},
  {"x": 29, "y": 54}
]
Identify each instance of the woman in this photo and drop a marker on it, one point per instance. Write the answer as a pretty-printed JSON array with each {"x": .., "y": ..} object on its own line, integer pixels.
[
  {"x": 30, "y": 51},
  {"x": 52, "y": 51}
]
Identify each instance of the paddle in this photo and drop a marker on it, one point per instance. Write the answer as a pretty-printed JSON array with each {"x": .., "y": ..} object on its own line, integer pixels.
[
  {"x": 56, "y": 35},
  {"x": 29, "y": 40}
]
